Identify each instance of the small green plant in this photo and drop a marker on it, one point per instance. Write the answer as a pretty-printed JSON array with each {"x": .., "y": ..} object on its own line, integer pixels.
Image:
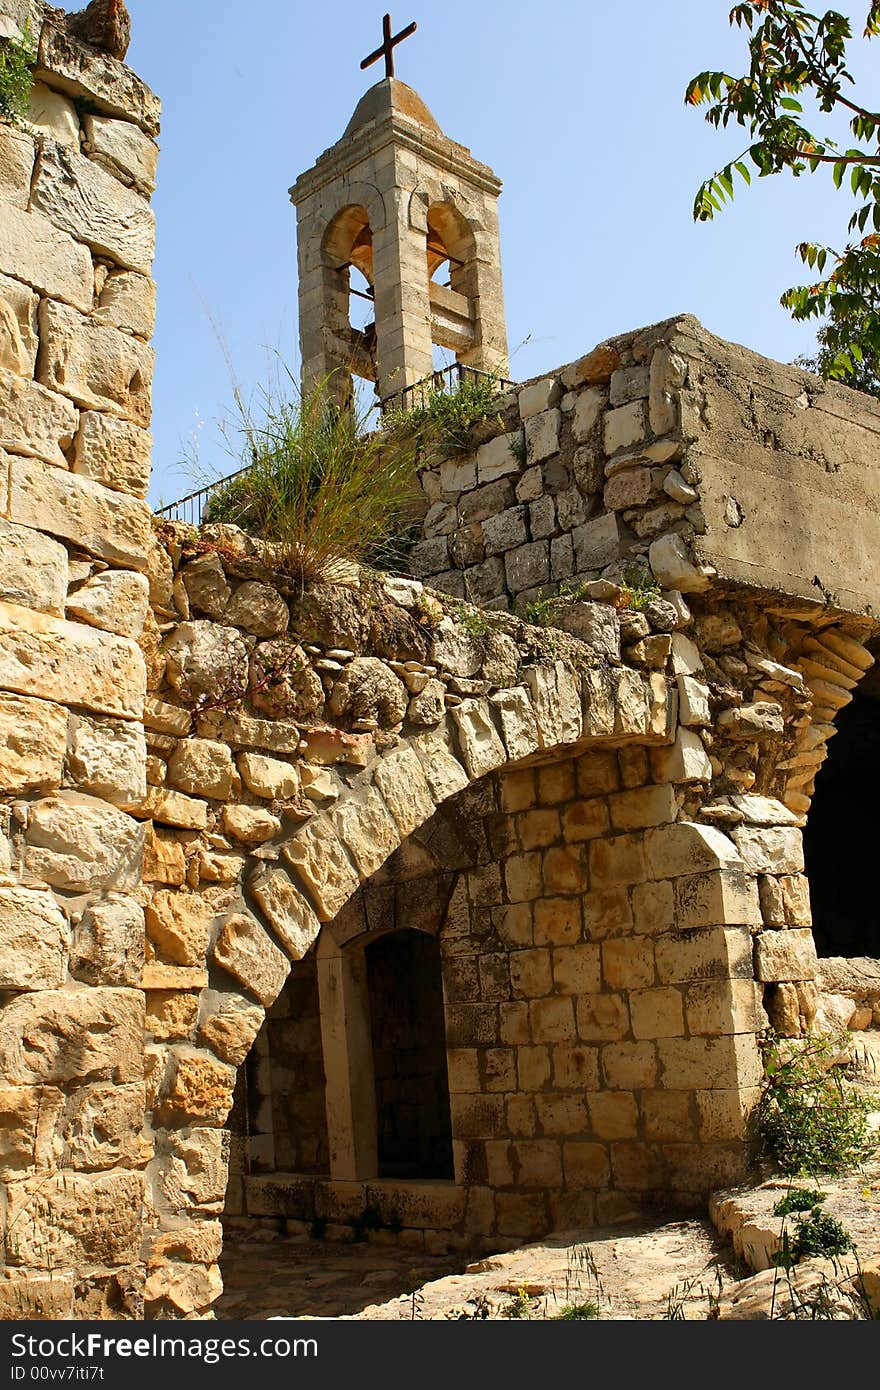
[
  {"x": 519, "y": 447},
  {"x": 809, "y": 1121},
  {"x": 443, "y": 418},
  {"x": 520, "y": 1305},
  {"x": 476, "y": 622},
  {"x": 578, "y": 1312},
  {"x": 540, "y": 611},
  {"x": 639, "y": 588},
  {"x": 819, "y": 1234},
  {"x": 16, "y": 75},
  {"x": 798, "y": 1199}
]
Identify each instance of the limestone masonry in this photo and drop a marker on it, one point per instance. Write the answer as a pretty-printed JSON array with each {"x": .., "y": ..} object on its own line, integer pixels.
[{"x": 377, "y": 907}]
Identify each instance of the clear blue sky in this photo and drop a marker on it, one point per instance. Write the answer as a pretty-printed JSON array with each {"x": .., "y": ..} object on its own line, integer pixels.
[{"x": 578, "y": 106}]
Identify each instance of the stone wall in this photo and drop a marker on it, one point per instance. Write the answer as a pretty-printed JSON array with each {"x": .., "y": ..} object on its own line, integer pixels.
[
  {"x": 671, "y": 451},
  {"x": 76, "y": 315},
  {"x": 209, "y": 775}
]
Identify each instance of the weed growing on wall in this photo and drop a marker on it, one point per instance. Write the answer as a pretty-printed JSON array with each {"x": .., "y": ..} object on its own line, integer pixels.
[
  {"x": 809, "y": 1120},
  {"x": 443, "y": 418},
  {"x": 16, "y": 76},
  {"x": 318, "y": 485}
]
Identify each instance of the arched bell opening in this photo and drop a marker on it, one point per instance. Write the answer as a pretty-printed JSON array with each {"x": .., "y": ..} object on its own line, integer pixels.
[
  {"x": 350, "y": 309},
  {"x": 451, "y": 262}
]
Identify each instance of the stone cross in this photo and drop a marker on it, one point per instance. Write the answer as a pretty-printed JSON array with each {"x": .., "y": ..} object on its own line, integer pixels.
[{"x": 388, "y": 45}]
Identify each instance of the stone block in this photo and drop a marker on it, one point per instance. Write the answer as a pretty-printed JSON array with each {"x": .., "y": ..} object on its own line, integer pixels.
[
  {"x": 288, "y": 912},
  {"x": 35, "y": 251},
  {"x": 115, "y": 601},
  {"x": 34, "y": 939},
  {"x": 128, "y": 302},
  {"x": 113, "y": 452},
  {"x": 668, "y": 374},
  {"x": 542, "y": 435},
  {"x": 673, "y": 567},
  {"x": 527, "y": 567},
  {"x": 505, "y": 531},
  {"x": 538, "y": 397},
  {"x": 19, "y": 332},
  {"x": 629, "y": 1066},
  {"x": 602, "y": 1018},
  {"x": 556, "y": 698},
  {"x": 628, "y": 962},
  {"x": 82, "y": 199},
  {"x": 643, "y": 807},
  {"x": 203, "y": 767},
  {"x": 79, "y": 844},
  {"x": 480, "y": 743},
  {"x": 33, "y": 744},
  {"x": 629, "y": 384},
  {"x": 249, "y": 954},
  {"x": 17, "y": 154},
  {"x": 268, "y": 777},
  {"x": 98, "y": 367},
  {"x": 404, "y": 789},
  {"x": 686, "y": 761},
  {"x": 26, "y": 1295},
  {"x": 625, "y": 426},
  {"x": 576, "y": 969},
  {"x": 564, "y": 870},
  {"x": 179, "y": 924},
  {"x": 725, "y": 1115},
  {"x": 72, "y": 1036},
  {"x": 552, "y": 1020},
  {"x": 84, "y": 71},
  {"x": 715, "y": 898},
  {"x": 618, "y": 860},
  {"x": 613, "y": 1115},
  {"x": 657, "y": 1013},
  {"x": 666, "y": 1116},
  {"x": 366, "y": 826},
  {"x": 123, "y": 150},
  {"x": 110, "y": 525},
  {"x": 710, "y": 1064},
  {"x": 54, "y": 115},
  {"x": 497, "y": 458},
  {"x": 713, "y": 953},
  {"x": 200, "y": 1089},
  {"x": 516, "y": 718},
  {"x": 444, "y": 773},
  {"x": 693, "y": 702},
  {"x": 575, "y": 1068},
  {"x": 102, "y": 1127},
  {"x": 675, "y": 850},
  {"x": 108, "y": 943},
  {"x": 594, "y": 623},
  {"x": 771, "y": 850},
  {"x": 587, "y": 413},
  {"x": 598, "y": 542},
  {"x": 75, "y": 1219},
  {"x": 786, "y": 955},
  {"x": 653, "y": 908},
  {"x": 34, "y": 421},
  {"x": 630, "y": 487},
  {"x": 716, "y": 1007},
  {"x": 252, "y": 825}
]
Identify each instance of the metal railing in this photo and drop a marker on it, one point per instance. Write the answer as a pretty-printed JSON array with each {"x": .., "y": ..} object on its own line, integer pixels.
[
  {"x": 192, "y": 508},
  {"x": 448, "y": 379}
]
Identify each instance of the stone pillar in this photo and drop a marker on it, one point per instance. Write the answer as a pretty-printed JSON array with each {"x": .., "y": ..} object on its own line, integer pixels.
[
  {"x": 403, "y": 310},
  {"x": 76, "y": 315}
]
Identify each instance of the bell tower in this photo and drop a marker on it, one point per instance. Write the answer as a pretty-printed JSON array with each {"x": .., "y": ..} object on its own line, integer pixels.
[{"x": 417, "y": 215}]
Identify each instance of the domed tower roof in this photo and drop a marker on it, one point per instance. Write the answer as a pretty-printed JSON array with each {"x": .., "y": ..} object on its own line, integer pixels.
[{"x": 391, "y": 97}]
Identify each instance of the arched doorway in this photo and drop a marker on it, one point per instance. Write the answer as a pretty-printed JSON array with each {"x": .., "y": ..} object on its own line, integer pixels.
[{"x": 842, "y": 833}]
